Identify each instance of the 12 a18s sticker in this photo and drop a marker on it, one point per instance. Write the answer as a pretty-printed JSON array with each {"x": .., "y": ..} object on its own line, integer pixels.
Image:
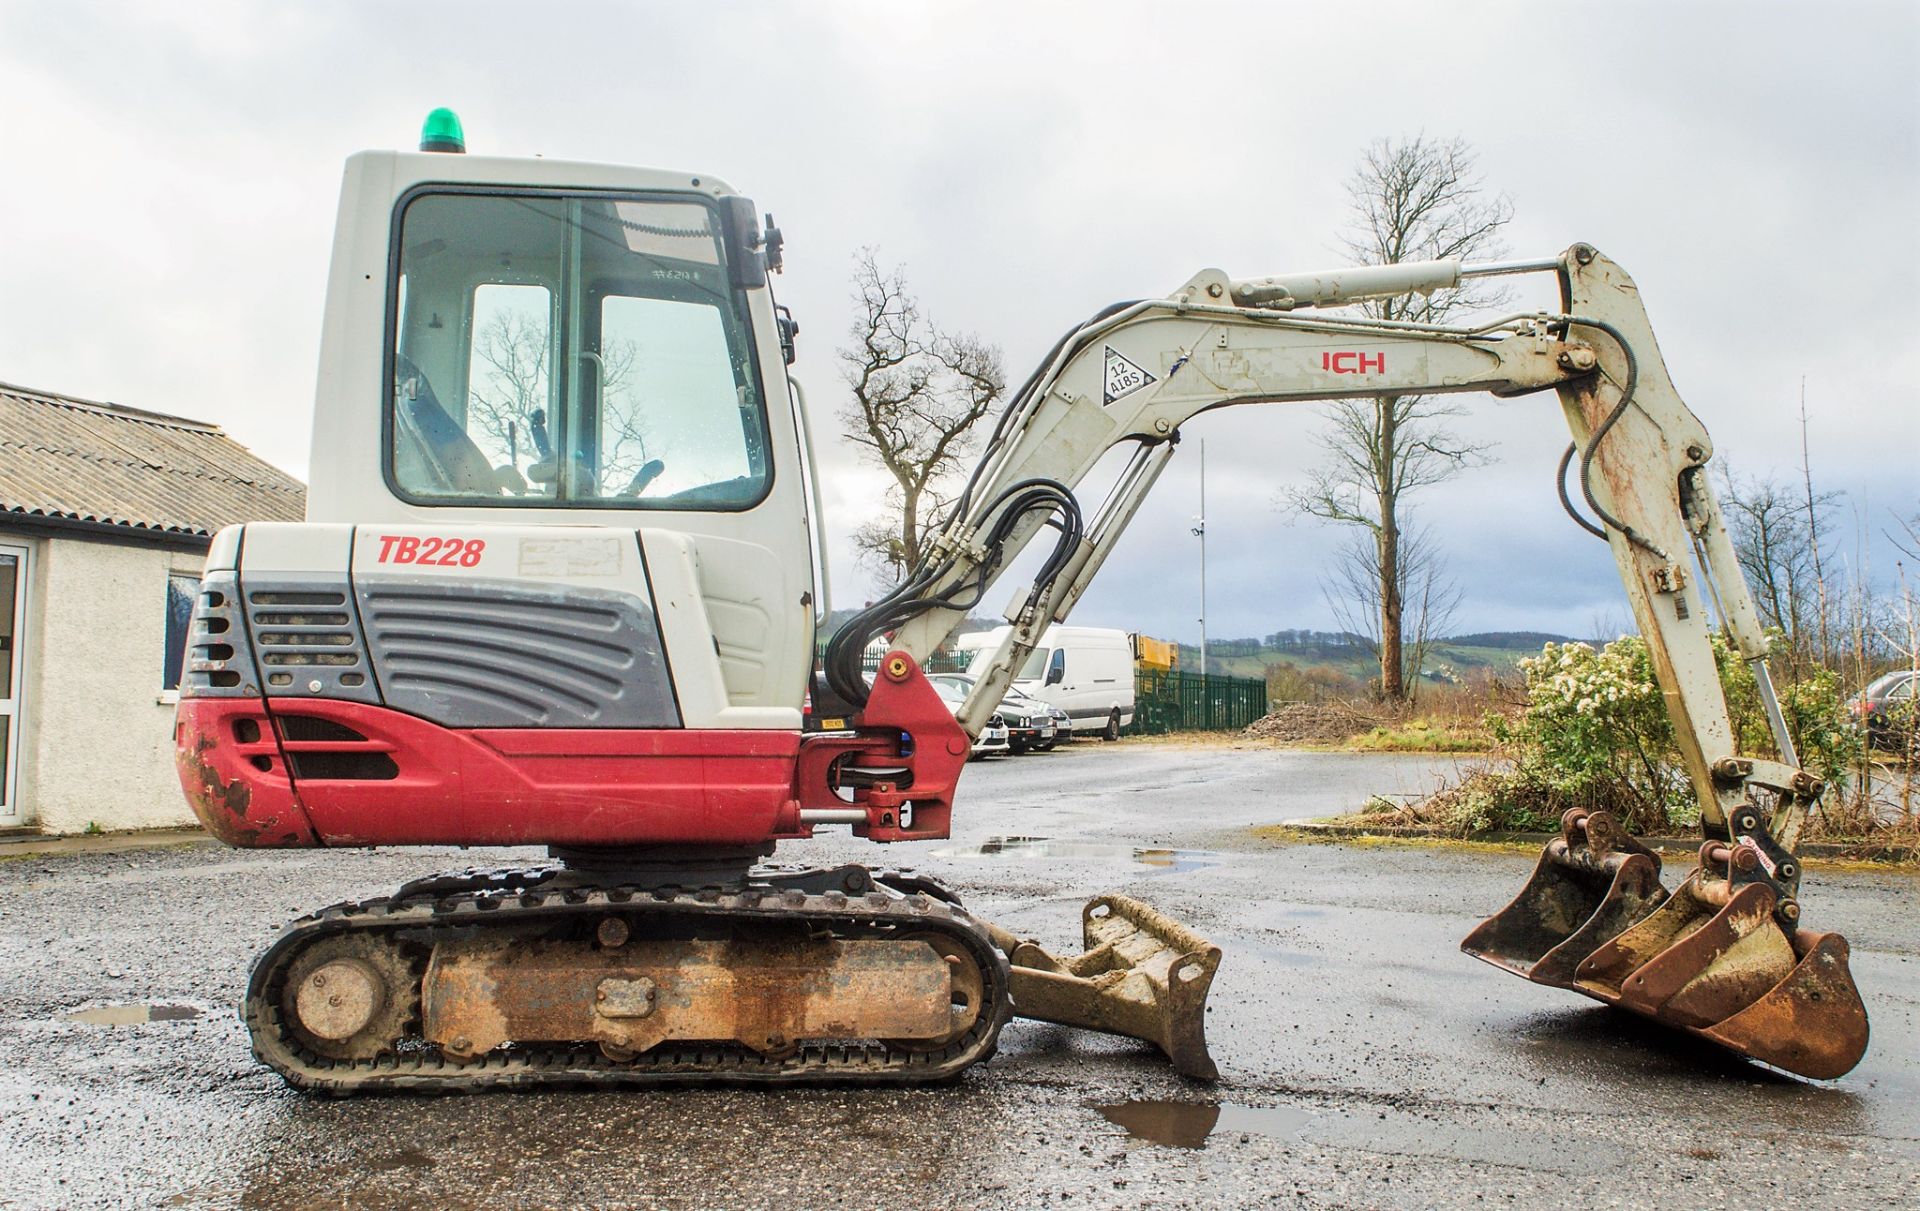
[
  {"x": 1123, "y": 378},
  {"x": 431, "y": 550}
]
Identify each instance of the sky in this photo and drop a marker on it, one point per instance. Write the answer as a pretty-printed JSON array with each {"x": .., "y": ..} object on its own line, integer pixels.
[{"x": 172, "y": 173}]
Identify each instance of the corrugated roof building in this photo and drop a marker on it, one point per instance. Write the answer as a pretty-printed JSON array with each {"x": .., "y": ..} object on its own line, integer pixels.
[
  {"x": 107, "y": 464},
  {"x": 106, "y": 512}
]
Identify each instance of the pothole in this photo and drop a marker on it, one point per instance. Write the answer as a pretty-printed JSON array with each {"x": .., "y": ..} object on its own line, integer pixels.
[
  {"x": 1172, "y": 1124},
  {"x": 131, "y": 1015}
]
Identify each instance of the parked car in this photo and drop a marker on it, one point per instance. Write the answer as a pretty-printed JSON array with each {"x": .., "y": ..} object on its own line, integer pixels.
[
  {"x": 1889, "y": 709},
  {"x": 992, "y": 738},
  {"x": 1031, "y": 726},
  {"x": 1062, "y": 726},
  {"x": 1085, "y": 671}
]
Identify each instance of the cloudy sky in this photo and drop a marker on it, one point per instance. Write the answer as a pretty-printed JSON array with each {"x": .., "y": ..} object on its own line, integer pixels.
[{"x": 171, "y": 173}]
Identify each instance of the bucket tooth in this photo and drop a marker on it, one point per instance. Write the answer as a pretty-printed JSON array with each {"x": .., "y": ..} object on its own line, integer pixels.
[
  {"x": 1592, "y": 883},
  {"x": 1141, "y": 974}
]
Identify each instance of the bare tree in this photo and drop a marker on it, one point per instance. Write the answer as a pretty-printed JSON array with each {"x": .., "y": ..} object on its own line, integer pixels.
[
  {"x": 917, "y": 391},
  {"x": 1412, "y": 200},
  {"x": 510, "y": 383},
  {"x": 1776, "y": 532},
  {"x": 1427, "y": 595},
  {"x": 1816, "y": 511}
]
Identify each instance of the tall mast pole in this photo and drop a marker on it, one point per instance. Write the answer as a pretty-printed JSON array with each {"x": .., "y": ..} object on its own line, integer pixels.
[{"x": 1201, "y": 530}]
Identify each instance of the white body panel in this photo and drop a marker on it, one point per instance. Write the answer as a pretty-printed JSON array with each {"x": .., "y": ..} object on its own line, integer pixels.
[
  {"x": 1095, "y": 671},
  {"x": 657, "y": 567}
]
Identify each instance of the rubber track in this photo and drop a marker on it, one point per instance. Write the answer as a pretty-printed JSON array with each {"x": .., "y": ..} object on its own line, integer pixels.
[{"x": 489, "y": 900}]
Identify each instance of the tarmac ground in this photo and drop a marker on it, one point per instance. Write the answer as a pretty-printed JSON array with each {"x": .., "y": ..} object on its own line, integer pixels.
[{"x": 1365, "y": 1061}]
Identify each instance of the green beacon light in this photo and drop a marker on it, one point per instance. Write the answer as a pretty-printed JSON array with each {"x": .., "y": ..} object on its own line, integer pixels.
[{"x": 442, "y": 132}]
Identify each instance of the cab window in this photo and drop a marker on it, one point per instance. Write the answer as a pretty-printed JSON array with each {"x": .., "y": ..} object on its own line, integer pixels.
[{"x": 582, "y": 351}]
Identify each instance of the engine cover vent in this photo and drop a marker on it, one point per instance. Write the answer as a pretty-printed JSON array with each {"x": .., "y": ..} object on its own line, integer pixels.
[
  {"x": 468, "y": 652},
  {"x": 321, "y": 750},
  {"x": 219, "y": 661},
  {"x": 306, "y": 639}
]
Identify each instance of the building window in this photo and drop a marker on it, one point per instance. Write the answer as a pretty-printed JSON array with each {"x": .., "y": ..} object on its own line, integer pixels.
[{"x": 181, "y": 590}]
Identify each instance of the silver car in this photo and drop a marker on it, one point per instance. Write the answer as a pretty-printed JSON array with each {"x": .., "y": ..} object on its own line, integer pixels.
[
  {"x": 1032, "y": 725},
  {"x": 993, "y": 738}
]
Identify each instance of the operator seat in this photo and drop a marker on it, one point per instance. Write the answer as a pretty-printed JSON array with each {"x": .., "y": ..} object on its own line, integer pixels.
[{"x": 436, "y": 440}]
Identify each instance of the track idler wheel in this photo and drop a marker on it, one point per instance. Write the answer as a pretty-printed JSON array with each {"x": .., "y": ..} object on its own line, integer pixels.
[
  {"x": 1721, "y": 958},
  {"x": 351, "y": 997},
  {"x": 966, "y": 994}
]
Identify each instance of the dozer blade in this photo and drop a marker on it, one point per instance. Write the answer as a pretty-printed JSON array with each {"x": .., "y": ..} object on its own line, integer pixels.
[
  {"x": 1716, "y": 958},
  {"x": 1592, "y": 883},
  {"x": 1142, "y": 975}
]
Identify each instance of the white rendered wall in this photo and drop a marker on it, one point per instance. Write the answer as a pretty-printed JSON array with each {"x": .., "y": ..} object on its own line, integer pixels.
[{"x": 97, "y": 741}]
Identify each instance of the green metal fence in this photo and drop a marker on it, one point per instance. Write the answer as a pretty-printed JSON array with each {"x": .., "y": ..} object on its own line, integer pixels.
[{"x": 1176, "y": 701}]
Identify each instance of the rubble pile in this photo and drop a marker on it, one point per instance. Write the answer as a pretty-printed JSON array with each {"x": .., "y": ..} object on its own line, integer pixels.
[{"x": 1310, "y": 723}]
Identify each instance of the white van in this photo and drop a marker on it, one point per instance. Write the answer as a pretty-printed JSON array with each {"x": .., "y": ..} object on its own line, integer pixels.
[{"x": 1085, "y": 671}]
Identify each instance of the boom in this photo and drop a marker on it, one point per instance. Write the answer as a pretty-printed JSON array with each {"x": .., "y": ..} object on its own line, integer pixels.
[{"x": 1139, "y": 372}]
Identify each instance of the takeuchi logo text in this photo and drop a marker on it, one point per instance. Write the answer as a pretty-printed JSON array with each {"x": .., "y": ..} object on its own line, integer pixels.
[{"x": 1349, "y": 361}]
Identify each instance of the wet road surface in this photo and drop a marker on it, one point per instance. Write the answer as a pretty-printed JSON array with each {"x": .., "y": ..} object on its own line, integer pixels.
[{"x": 1365, "y": 1061}]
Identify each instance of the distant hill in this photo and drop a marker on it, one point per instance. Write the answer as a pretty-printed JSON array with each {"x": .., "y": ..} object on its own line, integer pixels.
[
  {"x": 1337, "y": 654},
  {"x": 1529, "y": 641}
]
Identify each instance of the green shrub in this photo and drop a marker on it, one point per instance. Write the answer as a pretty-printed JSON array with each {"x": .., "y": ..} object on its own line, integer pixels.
[{"x": 1595, "y": 733}]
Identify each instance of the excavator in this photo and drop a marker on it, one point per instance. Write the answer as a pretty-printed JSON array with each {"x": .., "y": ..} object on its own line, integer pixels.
[{"x": 559, "y": 585}]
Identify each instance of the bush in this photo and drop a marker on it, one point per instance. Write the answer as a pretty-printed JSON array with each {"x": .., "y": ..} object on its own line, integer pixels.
[{"x": 1594, "y": 733}]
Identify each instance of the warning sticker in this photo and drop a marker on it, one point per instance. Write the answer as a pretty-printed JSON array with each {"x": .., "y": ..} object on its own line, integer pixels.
[
  {"x": 1750, "y": 843},
  {"x": 1123, "y": 377}
]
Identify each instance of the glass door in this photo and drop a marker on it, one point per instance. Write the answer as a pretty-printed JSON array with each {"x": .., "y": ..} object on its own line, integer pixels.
[{"x": 13, "y": 592}]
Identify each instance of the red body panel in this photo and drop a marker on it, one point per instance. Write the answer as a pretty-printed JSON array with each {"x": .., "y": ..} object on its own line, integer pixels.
[
  {"x": 234, "y": 776},
  {"x": 576, "y": 787}
]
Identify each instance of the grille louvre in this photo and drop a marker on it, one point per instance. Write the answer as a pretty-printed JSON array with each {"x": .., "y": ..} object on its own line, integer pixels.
[
  {"x": 494, "y": 653},
  {"x": 217, "y": 667},
  {"x": 306, "y": 639}
]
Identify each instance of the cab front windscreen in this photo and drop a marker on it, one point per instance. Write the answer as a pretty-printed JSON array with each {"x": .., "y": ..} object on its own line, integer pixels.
[{"x": 570, "y": 350}]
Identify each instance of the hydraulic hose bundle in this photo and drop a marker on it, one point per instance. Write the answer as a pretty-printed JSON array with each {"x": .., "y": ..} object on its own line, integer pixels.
[
  {"x": 846, "y": 650},
  {"x": 917, "y": 593}
]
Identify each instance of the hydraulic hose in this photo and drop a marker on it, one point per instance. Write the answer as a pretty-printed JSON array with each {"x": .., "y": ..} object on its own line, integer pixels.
[{"x": 1600, "y": 434}]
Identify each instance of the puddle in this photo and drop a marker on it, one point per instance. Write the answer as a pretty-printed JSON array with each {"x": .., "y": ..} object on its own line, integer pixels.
[
  {"x": 1159, "y": 861},
  {"x": 1190, "y": 1124},
  {"x": 131, "y": 1015}
]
